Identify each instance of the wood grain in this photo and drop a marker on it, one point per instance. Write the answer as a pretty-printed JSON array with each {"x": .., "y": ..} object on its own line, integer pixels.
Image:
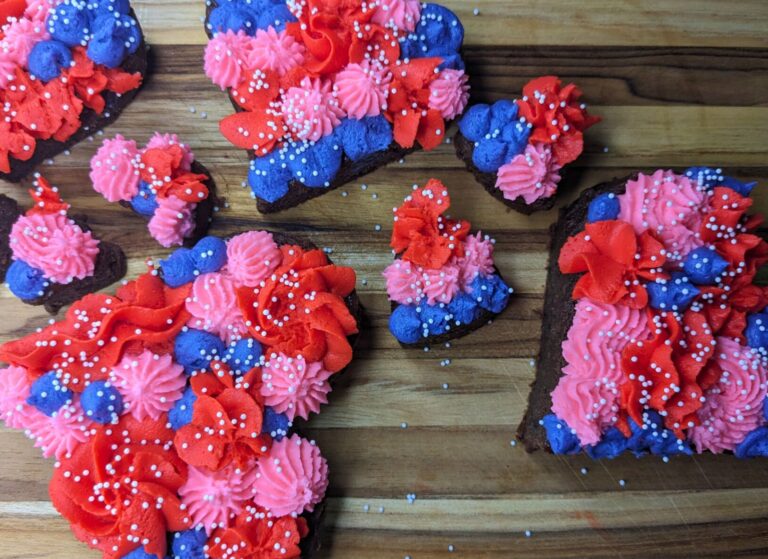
[{"x": 679, "y": 83}]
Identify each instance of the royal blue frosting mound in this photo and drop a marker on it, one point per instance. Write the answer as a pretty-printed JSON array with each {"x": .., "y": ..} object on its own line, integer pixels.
[
  {"x": 560, "y": 437},
  {"x": 605, "y": 207},
  {"x": 182, "y": 410},
  {"x": 47, "y": 394},
  {"x": 269, "y": 176},
  {"x": 275, "y": 424},
  {"x": 24, "y": 281},
  {"x": 438, "y": 33},
  {"x": 116, "y": 37},
  {"x": 179, "y": 268},
  {"x": 704, "y": 266},
  {"x": 612, "y": 443},
  {"x": 209, "y": 254},
  {"x": 189, "y": 544},
  {"x": 145, "y": 202},
  {"x": 315, "y": 164},
  {"x": 754, "y": 445},
  {"x": 652, "y": 437},
  {"x": 405, "y": 324},
  {"x": 360, "y": 138},
  {"x": 491, "y": 293},
  {"x": 476, "y": 122},
  {"x": 243, "y": 355},
  {"x": 139, "y": 553},
  {"x": 497, "y": 132},
  {"x": 101, "y": 402},
  {"x": 231, "y": 16},
  {"x": 69, "y": 23},
  {"x": 48, "y": 59},
  {"x": 435, "y": 319},
  {"x": 711, "y": 178},
  {"x": 675, "y": 294},
  {"x": 464, "y": 309},
  {"x": 757, "y": 330},
  {"x": 194, "y": 349}
]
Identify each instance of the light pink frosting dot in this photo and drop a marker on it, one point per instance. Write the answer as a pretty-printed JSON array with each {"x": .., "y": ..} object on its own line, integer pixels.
[
  {"x": 734, "y": 406},
  {"x": 362, "y": 89},
  {"x": 532, "y": 174},
  {"x": 213, "y": 305},
  {"x": 114, "y": 172},
  {"x": 21, "y": 36},
  {"x": 294, "y": 387},
  {"x": 311, "y": 111},
  {"x": 252, "y": 257},
  {"x": 292, "y": 477},
  {"x": 449, "y": 93},
  {"x": 60, "y": 434},
  {"x": 441, "y": 285},
  {"x": 14, "y": 390},
  {"x": 275, "y": 51},
  {"x": 172, "y": 221},
  {"x": 150, "y": 384},
  {"x": 477, "y": 259},
  {"x": 213, "y": 498},
  {"x": 587, "y": 396},
  {"x": 165, "y": 141},
  {"x": 403, "y": 282},
  {"x": 225, "y": 58},
  {"x": 56, "y": 245},
  {"x": 399, "y": 14},
  {"x": 671, "y": 205}
]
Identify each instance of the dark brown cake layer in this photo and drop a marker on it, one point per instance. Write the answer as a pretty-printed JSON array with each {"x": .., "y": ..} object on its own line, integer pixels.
[
  {"x": 559, "y": 310},
  {"x": 91, "y": 122},
  {"x": 9, "y": 213}
]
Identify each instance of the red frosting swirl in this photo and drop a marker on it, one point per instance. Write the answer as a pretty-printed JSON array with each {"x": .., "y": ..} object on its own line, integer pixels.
[{"x": 255, "y": 534}]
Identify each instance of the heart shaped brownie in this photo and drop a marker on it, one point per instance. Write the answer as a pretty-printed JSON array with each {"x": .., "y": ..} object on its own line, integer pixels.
[
  {"x": 49, "y": 258},
  {"x": 67, "y": 69},
  {"x": 169, "y": 406},
  {"x": 328, "y": 91},
  {"x": 654, "y": 331},
  {"x": 519, "y": 150},
  {"x": 163, "y": 182},
  {"x": 444, "y": 283}
]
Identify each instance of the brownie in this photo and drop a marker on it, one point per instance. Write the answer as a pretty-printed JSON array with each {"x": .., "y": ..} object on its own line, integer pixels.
[
  {"x": 559, "y": 310},
  {"x": 91, "y": 122},
  {"x": 9, "y": 213}
]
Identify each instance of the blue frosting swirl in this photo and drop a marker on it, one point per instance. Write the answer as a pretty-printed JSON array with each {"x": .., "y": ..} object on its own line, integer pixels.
[
  {"x": 47, "y": 394},
  {"x": 145, "y": 202},
  {"x": 48, "y": 59},
  {"x": 189, "y": 544},
  {"x": 653, "y": 437},
  {"x": 179, "y": 268},
  {"x": 405, "y": 324},
  {"x": 209, "y": 254},
  {"x": 243, "y": 355},
  {"x": 276, "y": 425},
  {"x": 464, "y": 309},
  {"x": 26, "y": 282},
  {"x": 181, "y": 412},
  {"x": 439, "y": 32},
  {"x": 270, "y": 176},
  {"x": 115, "y": 37},
  {"x": 315, "y": 164},
  {"x": 675, "y": 294},
  {"x": 754, "y": 445},
  {"x": 490, "y": 292},
  {"x": 704, "y": 266},
  {"x": 611, "y": 445},
  {"x": 497, "y": 132},
  {"x": 101, "y": 402},
  {"x": 476, "y": 122},
  {"x": 711, "y": 178},
  {"x": 605, "y": 207},
  {"x": 757, "y": 330},
  {"x": 231, "y": 16},
  {"x": 194, "y": 349},
  {"x": 435, "y": 319},
  {"x": 69, "y": 23},
  {"x": 99, "y": 8},
  {"x": 360, "y": 138},
  {"x": 562, "y": 440},
  {"x": 275, "y": 15},
  {"x": 139, "y": 553}
]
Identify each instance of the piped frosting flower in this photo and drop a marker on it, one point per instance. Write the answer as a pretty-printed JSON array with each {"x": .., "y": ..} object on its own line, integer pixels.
[
  {"x": 402, "y": 15},
  {"x": 14, "y": 389},
  {"x": 449, "y": 93},
  {"x": 172, "y": 221},
  {"x": 295, "y": 387},
  {"x": 362, "y": 89},
  {"x": 61, "y": 434},
  {"x": 310, "y": 110},
  {"x": 532, "y": 175},
  {"x": 213, "y": 305},
  {"x": 477, "y": 259},
  {"x": 275, "y": 51},
  {"x": 252, "y": 257},
  {"x": 113, "y": 170},
  {"x": 226, "y": 56}
]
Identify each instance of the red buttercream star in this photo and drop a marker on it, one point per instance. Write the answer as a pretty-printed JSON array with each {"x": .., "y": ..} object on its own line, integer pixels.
[{"x": 255, "y": 535}]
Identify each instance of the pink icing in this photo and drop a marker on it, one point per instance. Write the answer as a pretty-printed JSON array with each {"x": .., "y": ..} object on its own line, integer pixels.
[
  {"x": 441, "y": 285},
  {"x": 403, "y": 283},
  {"x": 14, "y": 389},
  {"x": 311, "y": 111},
  {"x": 477, "y": 259},
  {"x": 292, "y": 477},
  {"x": 213, "y": 498},
  {"x": 55, "y": 245},
  {"x": 399, "y": 14},
  {"x": 150, "y": 384},
  {"x": 225, "y": 58},
  {"x": 586, "y": 397},
  {"x": 20, "y": 38},
  {"x": 734, "y": 406},
  {"x": 7, "y": 69},
  {"x": 60, "y": 434},
  {"x": 532, "y": 174},
  {"x": 449, "y": 93},
  {"x": 172, "y": 221},
  {"x": 294, "y": 387},
  {"x": 213, "y": 305},
  {"x": 38, "y": 9},
  {"x": 670, "y": 205},
  {"x": 362, "y": 89},
  {"x": 165, "y": 141},
  {"x": 114, "y": 173},
  {"x": 252, "y": 257},
  {"x": 275, "y": 52}
]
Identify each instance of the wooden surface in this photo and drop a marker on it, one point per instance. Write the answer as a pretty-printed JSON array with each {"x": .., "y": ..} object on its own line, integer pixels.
[{"x": 679, "y": 83}]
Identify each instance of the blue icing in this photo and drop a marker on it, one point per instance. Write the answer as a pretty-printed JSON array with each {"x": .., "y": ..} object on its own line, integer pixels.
[
  {"x": 452, "y": 62},
  {"x": 435, "y": 319},
  {"x": 463, "y": 308},
  {"x": 100, "y": 7},
  {"x": 209, "y": 254},
  {"x": 503, "y": 112},
  {"x": 178, "y": 268},
  {"x": 704, "y": 266},
  {"x": 233, "y": 17},
  {"x": 765, "y": 409},
  {"x": 611, "y": 444},
  {"x": 757, "y": 330},
  {"x": 243, "y": 355},
  {"x": 24, "y": 281},
  {"x": 69, "y": 23},
  {"x": 48, "y": 58},
  {"x": 674, "y": 294},
  {"x": 115, "y": 37},
  {"x": 605, "y": 207},
  {"x": 562, "y": 440},
  {"x": 438, "y": 33},
  {"x": 515, "y": 135},
  {"x": 653, "y": 437},
  {"x": 754, "y": 445},
  {"x": 47, "y": 394},
  {"x": 710, "y": 178},
  {"x": 315, "y": 164},
  {"x": 181, "y": 412},
  {"x": 275, "y": 15},
  {"x": 189, "y": 544},
  {"x": 269, "y": 176},
  {"x": 145, "y": 202},
  {"x": 476, "y": 122},
  {"x": 490, "y": 292},
  {"x": 364, "y": 137},
  {"x": 194, "y": 349},
  {"x": 139, "y": 553},
  {"x": 405, "y": 324},
  {"x": 743, "y": 188},
  {"x": 490, "y": 154},
  {"x": 101, "y": 402},
  {"x": 275, "y": 424}
]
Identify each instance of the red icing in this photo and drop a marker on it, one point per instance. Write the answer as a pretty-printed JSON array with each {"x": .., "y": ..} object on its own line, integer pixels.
[
  {"x": 255, "y": 538},
  {"x": 46, "y": 199},
  {"x": 11, "y": 9},
  {"x": 408, "y": 104},
  {"x": 161, "y": 164}
]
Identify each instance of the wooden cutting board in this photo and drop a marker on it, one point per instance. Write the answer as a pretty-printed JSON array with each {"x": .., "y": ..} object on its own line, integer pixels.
[{"x": 679, "y": 83}]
